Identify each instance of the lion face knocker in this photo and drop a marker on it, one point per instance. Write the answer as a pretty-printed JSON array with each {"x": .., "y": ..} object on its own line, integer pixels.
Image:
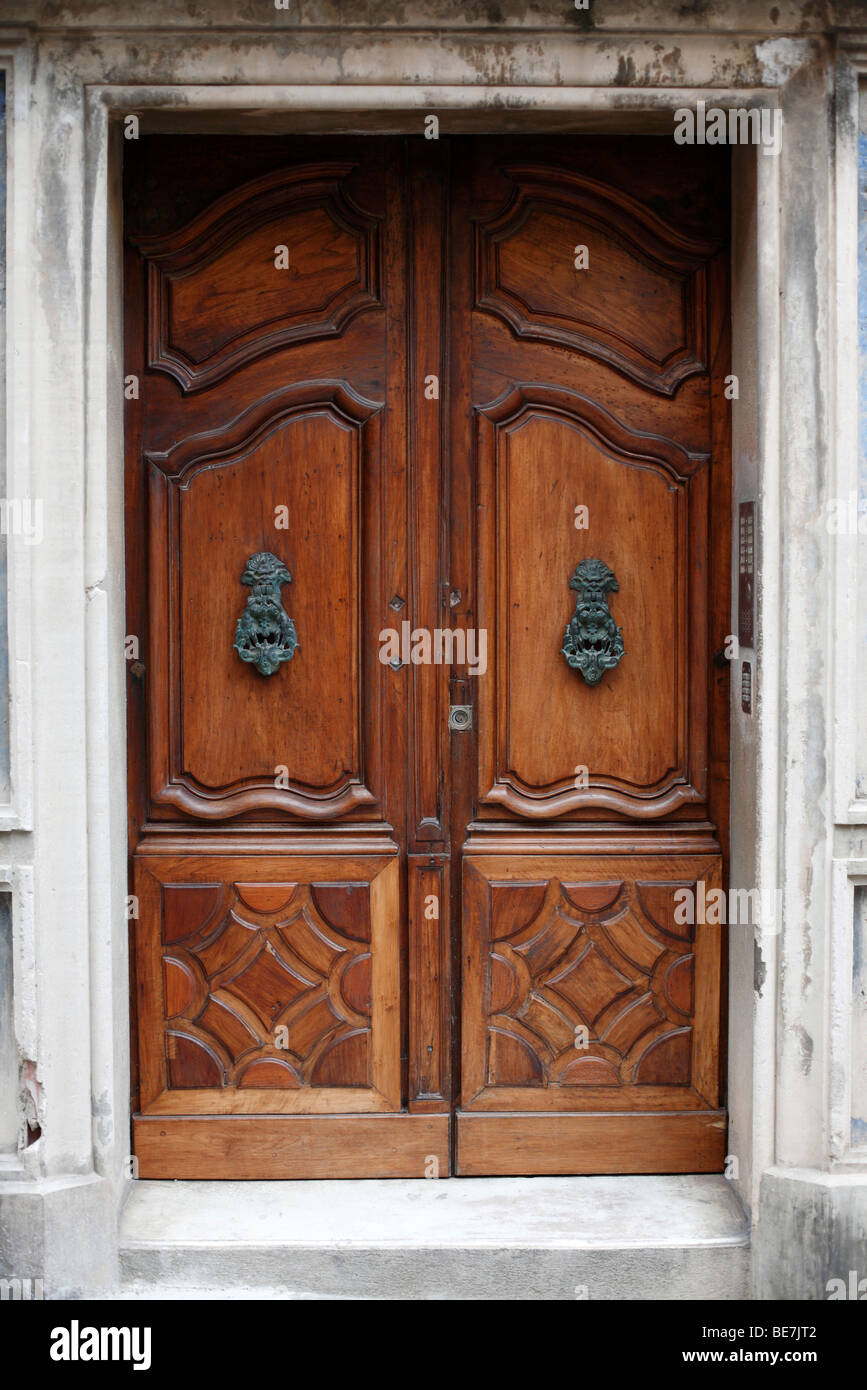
[
  {"x": 265, "y": 634},
  {"x": 593, "y": 642}
]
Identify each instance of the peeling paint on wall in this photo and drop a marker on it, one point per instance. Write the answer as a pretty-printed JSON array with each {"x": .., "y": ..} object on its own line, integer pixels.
[
  {"x": 31, "y": 1096},
  {"x": 760, "y": 970},
  {"x": 805, "y": 1048}
]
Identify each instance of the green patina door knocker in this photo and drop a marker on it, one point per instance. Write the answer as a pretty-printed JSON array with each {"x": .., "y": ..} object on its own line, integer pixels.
[
  {"x": 593, "y": 642},
  {"x": 265, "y": 634}
]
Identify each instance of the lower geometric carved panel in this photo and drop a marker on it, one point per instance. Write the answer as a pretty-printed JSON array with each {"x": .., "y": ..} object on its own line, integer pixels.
[
  {"x": 588, "y": 985},
  {"x": 275, "y": 992},
  {"x": 268, "y": 984}
]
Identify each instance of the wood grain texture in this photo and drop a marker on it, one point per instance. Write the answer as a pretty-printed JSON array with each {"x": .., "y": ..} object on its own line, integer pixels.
[
  {"x": 271, "y": 943},
  {"x": 598, "y": 391},
  {"x": 428, "y": 405},
  {"x": 587, "y": 987},
  {"x": 291, "y": 1147},
  {"x": 268, "y": 452},
  {"x": 526, "y": 273},
  {"x": 268, "y": 985},
  {"x": 218, "y": 299},
  {"x": 591, "y": 389},
  {"x": 213, "y": 501},
  {"x": 513, "y": 1145},
  {"x": 430, "y": 1023},
  {"x": 641, "y": 733}
]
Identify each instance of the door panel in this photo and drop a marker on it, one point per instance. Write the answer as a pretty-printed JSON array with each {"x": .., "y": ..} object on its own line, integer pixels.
[
  {"x": 586, "y": 988},
  {"x": 268, "y": 762},
  {"x": 431, "y": 1040},
  {"x": 211, "y": 307},
  {"x": 272, "y": 989},
  {"x": 655, "y": 333},
  {"x": 273, "y": 985},
  {"x": 516, "y": 1145},
  {"x": 292, "y": 1147},
  {"x": 538, "y": 449},
  {"x": 595, "y": 315},
  {"x": 213, "y": 503}
]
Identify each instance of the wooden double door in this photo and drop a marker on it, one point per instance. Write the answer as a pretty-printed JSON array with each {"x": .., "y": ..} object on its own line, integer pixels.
[{"x": 428, "y": 531}]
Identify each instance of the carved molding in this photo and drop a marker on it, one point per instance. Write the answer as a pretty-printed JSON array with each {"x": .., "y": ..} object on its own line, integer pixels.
[
  {"x": 661, "y": 248},
  {"x": 590, "y": 989},
  {"x": 264, "y": 998},
  {"x": 587, "y": 955},
  {"x": 183, "y": 254},
  {"x": 228, "y": 442},
  {"x": 583, "y": 413},
  {"x": 499, "y": 785},
  {"x": 661, "y": 799},
  {"x": 273, "y": 984},
  {"x": 172, "y": 472}
]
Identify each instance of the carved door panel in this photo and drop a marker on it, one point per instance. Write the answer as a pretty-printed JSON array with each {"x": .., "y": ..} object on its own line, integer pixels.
[
  {"x": 266, "y": 495},
  {"x": 369, "y": 395},
  {"x": 594, "y": 294}
]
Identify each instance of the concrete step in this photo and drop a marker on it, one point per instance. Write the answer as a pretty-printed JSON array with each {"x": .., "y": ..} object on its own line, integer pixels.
[{"x": 455, "y": 1238}]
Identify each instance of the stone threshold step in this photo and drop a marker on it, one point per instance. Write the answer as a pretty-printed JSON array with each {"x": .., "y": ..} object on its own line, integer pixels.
[{"x": 456, "y": 1238}]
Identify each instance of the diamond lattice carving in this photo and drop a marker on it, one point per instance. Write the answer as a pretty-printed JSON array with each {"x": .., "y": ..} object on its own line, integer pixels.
[
  {"x": 591, "y": 985},
  {"x": 271, "y": 989}
]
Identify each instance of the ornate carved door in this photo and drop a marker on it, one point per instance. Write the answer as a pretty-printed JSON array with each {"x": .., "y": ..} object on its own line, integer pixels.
[
  {"x": 408, "y": 814},
  {"x": 590, "y": 284}
]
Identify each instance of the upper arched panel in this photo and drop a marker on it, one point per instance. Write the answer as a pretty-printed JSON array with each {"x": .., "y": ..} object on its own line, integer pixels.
[
  {"x": 640, "y": 303},
  {"x": 285, "y": 259}
]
